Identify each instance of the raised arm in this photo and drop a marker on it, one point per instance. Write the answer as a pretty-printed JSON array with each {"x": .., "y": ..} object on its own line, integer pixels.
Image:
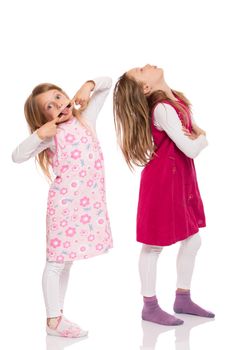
[
  {"x": 166, "y": 118},
  {"x": 100, "y": 92}
]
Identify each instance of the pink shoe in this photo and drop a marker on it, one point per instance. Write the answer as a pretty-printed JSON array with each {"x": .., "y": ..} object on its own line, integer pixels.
[
  {"x": 70, "y": 322},
  {"x": 66, "y": 329}
]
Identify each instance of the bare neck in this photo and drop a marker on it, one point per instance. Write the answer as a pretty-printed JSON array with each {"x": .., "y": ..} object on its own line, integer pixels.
[{"x": 164, "y": 87}]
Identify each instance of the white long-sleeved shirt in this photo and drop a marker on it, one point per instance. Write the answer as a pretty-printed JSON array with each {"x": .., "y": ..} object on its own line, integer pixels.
[
  {"x": 166, "y": 118},
  {"x": 33, "y": 144}
]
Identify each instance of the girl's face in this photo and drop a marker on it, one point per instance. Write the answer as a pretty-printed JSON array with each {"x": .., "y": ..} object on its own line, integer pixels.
[
  {"x": 150, "y": 76},
  {"x": 54, "y": 103}
]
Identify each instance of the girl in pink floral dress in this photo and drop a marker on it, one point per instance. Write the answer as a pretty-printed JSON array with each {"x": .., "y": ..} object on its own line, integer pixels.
[{"x": 77, "y": 221}]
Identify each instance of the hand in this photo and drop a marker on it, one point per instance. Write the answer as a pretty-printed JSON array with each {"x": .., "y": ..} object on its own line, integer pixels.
[
  {"x": 82, "y": 96},
  {"x": 198, "y": 130},
  {"x": 195, "y": 133},
  {"x": 49, "y": 129}
]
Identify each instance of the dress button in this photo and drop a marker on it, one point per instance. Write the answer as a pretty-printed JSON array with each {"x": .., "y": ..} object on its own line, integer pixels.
[{"x": 190, "y": 196}]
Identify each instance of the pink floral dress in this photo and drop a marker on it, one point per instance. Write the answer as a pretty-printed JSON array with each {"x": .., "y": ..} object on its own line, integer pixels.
[{"x": 77, "y": 219}]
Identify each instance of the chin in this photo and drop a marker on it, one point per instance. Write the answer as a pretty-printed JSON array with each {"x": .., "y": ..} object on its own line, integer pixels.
[
  {"x": 159, "y": 73},
  {"x": 159, "y": 70}
]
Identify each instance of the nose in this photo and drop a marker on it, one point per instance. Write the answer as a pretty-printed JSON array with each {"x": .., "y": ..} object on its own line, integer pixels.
[{"x": 59, "y": 105}]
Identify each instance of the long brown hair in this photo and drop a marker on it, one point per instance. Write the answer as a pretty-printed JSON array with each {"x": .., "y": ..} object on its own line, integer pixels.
[
  {"x": 35, "y": 119},
  {"x": 132, "y": 117}
]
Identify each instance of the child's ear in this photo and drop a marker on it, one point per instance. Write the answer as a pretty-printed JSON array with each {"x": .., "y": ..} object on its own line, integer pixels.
[{"x": 146, "y": 89}]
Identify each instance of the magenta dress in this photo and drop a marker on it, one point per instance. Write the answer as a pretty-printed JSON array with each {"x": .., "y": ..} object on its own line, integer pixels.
[{"x": 170, "y": 207}]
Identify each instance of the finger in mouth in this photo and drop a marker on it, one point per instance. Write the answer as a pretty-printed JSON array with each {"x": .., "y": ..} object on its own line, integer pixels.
[{"x": 61, "y": 113}]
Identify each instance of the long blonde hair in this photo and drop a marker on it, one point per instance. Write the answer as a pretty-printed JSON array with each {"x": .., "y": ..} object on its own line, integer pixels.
[
  {"x": 132, "y": 117},
  {"x": 35, "y": 119}
]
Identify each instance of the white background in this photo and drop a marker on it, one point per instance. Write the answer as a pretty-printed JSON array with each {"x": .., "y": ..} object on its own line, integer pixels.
[{"x": 66, "y": 43}]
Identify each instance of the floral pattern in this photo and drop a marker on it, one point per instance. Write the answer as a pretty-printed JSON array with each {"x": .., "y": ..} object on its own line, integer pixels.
[{"x": 77, "y": 219}]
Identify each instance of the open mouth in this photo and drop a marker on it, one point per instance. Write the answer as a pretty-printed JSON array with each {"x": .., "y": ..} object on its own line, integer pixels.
[{"x": 65, "y": 111}]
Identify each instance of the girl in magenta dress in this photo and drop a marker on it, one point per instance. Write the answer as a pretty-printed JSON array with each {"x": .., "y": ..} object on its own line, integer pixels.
[
  {"x": 77, "y": 225},
  {"x": 156, "y": 130}
]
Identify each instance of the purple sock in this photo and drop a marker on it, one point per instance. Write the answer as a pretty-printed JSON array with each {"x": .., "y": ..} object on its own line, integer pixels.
[
  {"x": 153, "y": 313},
  {"x": 184, "y": 305}
]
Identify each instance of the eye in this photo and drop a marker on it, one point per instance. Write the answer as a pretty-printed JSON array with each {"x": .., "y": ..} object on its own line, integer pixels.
[
  {"x": 141, "y": 69},
  {"x": 58, "y": 97},
  {"x": 49, "y": 106}
]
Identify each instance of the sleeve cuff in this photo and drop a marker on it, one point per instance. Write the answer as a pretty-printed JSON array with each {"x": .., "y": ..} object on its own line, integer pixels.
[{"x": 36, "y": 138}]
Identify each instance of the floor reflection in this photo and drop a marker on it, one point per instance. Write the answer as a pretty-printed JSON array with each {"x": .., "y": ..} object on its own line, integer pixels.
[
  {"x": 152, "y": 331},
  {"x": 61, "y": 343}
]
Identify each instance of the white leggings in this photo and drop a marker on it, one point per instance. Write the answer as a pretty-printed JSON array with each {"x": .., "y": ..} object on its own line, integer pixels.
[
  {"x": 54, "y": 283},
  {"x": 185, "y": 264}
]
